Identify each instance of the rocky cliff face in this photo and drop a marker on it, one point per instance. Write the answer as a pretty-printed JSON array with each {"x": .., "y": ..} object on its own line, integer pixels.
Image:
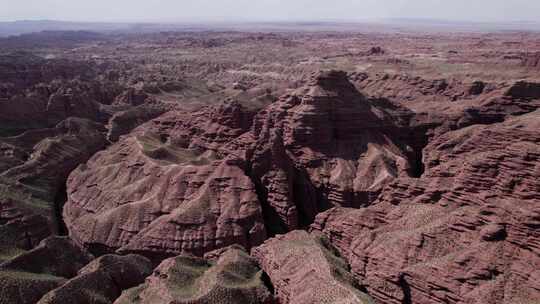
[
  {"x": 323, "y": 145},
  {"x": 459, "y": 234}
]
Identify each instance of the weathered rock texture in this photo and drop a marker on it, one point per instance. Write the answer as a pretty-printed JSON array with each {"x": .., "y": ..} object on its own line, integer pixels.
[
  {"x": 27, "y": 277},
  {"x": 168, "y": 188},
  {"x": 427, "y": 204},
  {"x": 232, "y": 278},
  {"x": 465, "y": 232},
  {"x": 431, "y": 173},
  {"x": 70, "y": 143},
  {"x": 101, "y": 281},
  {"x": 33, "y": 189},
  {"x": 124, "y": 121},
  {"x": 46, "y": 106},
  {"x": 304, "y": 268},
  {"x": 323, "y": 145}
]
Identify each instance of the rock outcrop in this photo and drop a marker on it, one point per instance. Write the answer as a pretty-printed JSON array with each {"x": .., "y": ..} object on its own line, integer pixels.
[
  {"x": 101, "y": 281},
  {"x": 70, "y": 143},
  {"x": 33, "y": 189},
  {"x": 39, "y": 93},
  {"x": 123, "y": 122},
  {"x": 44, "y": 106},
  {"x": 323, "y": 145},
  {"x": 170, "y": 187},
  {"x": 196, "y": 182},
  {"x": 304, "y": 268},
  {"x": 417, "y": 92},
  {"x": 462, "y": 233},
  {"x": 27, "y": 277},
  {"x": 233, "y": 277}
]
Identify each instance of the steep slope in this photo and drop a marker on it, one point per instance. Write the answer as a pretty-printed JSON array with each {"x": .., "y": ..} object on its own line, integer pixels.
[
  {"x": 304, "y": 269},
  {"x": 33, "y": 187},
  {"x": 101, "y": 281},
  {"x": 465, "y": 232},
  {"x": 323, "y": 145},
  {"x": 232, "y": 277},
  {"x": 168, "y": 188}
]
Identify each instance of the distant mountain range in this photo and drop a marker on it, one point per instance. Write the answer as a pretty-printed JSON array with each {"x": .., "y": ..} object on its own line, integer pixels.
[
  {"x": 24, "y": 27},
  {"x": 453, "y": 24},
  {"x": 32, "y": 26}
]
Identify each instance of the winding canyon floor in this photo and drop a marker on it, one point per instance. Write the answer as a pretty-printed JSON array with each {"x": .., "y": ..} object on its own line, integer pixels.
[{"x": 282, "y": 167}]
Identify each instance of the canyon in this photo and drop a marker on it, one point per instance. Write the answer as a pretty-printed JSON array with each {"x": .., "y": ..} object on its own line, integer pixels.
[{"x": 270, "y": 167}]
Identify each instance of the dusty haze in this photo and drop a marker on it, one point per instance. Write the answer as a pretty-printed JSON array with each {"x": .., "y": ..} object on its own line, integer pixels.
[{"x": 271, "y": 10}]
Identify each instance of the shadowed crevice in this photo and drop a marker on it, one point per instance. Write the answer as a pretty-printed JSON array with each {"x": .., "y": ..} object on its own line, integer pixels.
[
  {"x": 60, "y": 200},
  {"x": 406, "y": 288}
]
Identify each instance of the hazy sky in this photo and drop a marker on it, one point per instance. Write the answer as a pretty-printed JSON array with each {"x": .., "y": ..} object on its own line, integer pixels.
[{"x": 249, "y": 10}]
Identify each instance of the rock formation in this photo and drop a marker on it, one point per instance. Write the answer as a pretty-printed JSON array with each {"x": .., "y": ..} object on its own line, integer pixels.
[
  {"x": 33, "y": 189},
  {"x": 323, "y": 145},
  {"x": 123, "y": 122},
  {"x": 27, "y": 277},
  {"x": 304, "y": 268},
  {"x": 168, "y": 188},
  {"x": 413, "y": 178},
  {"x": 232, "y": 277},
  {"x": 101, "y": 281},
  {"x": 44, "y": 106},
  {"x": 459, "y": 234}
]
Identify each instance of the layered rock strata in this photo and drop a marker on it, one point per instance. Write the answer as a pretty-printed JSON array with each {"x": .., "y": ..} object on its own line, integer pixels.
[{"x": 463, "y": 233}]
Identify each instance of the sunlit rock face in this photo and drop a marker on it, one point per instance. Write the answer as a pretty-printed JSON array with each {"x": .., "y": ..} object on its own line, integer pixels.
[
  {"x": 169, "y": 187},
  {"x": 463, "y": 232}
]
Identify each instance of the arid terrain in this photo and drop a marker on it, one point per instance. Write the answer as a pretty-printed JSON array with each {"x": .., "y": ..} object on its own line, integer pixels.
[{"x": 276, "y": 167}]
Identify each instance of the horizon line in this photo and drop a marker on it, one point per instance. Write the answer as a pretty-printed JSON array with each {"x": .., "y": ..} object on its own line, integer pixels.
[{"x": 278, "y": 20}]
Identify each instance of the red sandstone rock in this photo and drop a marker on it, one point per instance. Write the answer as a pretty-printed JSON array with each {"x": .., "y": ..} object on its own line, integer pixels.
[
  {"x": 46, "y": 105},
  {"x": 304, "y": 269},
  {"x": 32, "y": 191},
  {"x": 323, "y": 145},
  {"x": 168, "y": 188},
  {"x": 463, "y": 232},
  {"x": 73, "y": 141}
]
